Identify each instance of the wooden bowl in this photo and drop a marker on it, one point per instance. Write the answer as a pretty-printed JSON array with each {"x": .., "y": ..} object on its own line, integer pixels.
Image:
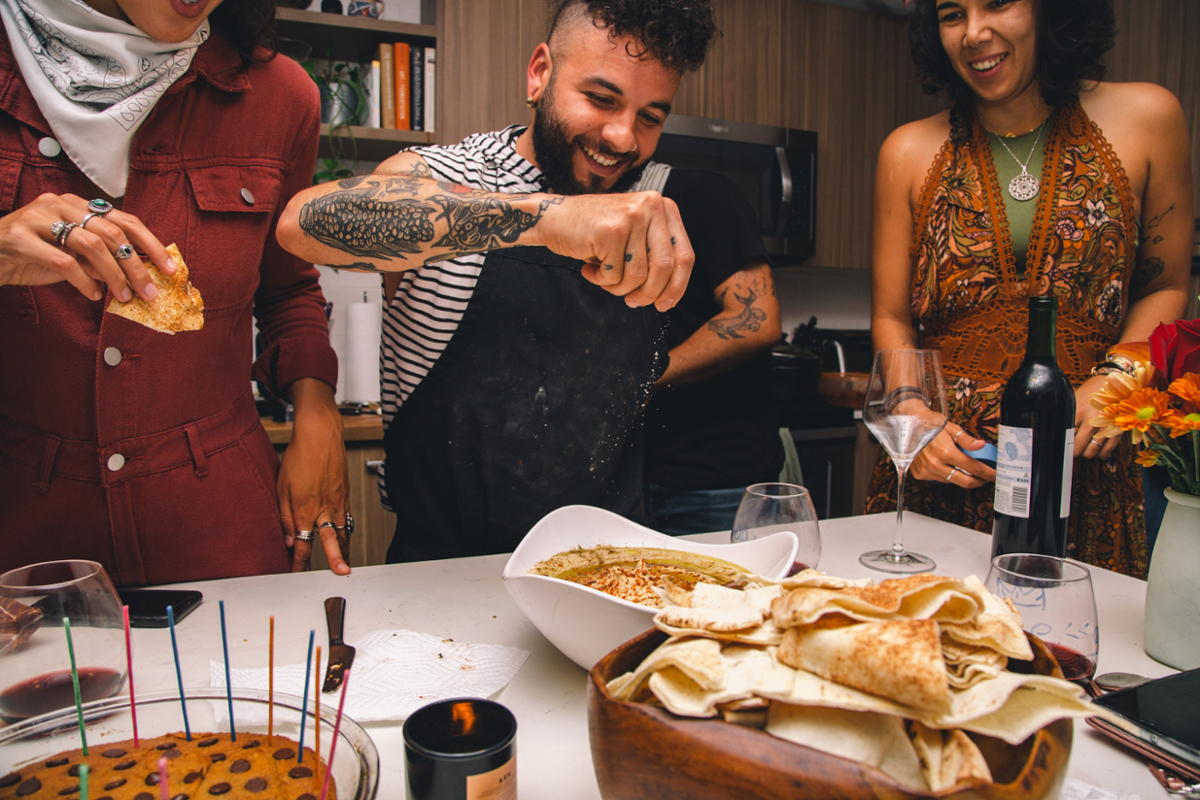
[{"x": 641, "y": 751}]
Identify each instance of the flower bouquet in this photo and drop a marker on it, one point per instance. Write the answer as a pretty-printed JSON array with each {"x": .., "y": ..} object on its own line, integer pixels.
[{"x": 1166, "y": 423}]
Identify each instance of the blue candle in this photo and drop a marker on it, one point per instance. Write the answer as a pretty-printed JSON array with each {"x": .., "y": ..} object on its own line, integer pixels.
[
  {"x": 228, "y": 682},
  {"x": 178, "y": 672},
  {"x": 304, "y": 705}
]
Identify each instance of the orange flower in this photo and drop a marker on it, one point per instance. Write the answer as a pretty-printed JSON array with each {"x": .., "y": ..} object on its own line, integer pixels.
[
  {"x": 1182, "y": 424},
  {"x": 1148, "y": 457},
  {"x": 1138, "y": 412},
  {"x": 1117, "y": 387},
  {"x": 1187, "y": 388}
]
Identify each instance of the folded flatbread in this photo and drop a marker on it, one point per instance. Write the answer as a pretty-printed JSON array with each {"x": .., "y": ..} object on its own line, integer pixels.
[
  {"x": 178, "y": 306},
  {"x": 915, "y": 597},
  {"x": 948, "y": 758}
]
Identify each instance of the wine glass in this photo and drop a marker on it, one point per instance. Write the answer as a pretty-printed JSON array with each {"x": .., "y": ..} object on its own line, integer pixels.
[
  {"x": 905, "y": 408},
  {"x": 1057, "y": 604},
  {"x": 35, "y": 674},
  {"x": 768, "y": 508}
]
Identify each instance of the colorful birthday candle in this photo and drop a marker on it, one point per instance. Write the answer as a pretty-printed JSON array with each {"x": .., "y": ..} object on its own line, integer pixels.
[
  {"x": 75, "y": 682},
  {"x": 228, "y": 682},
  {"x": 337, "y": 726},
  {"x": 83, "y": 782},
  {"x": 129, "y": 664},
  {"x": 178, "y": 672},
  {"x": 304, "y": 706}
]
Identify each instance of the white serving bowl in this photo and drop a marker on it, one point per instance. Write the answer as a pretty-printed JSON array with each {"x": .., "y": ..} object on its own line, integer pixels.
[{"x": 586, "y": 624}]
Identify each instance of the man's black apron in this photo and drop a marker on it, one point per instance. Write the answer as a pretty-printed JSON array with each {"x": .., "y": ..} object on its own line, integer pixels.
[{"x": 535, "y": 404}]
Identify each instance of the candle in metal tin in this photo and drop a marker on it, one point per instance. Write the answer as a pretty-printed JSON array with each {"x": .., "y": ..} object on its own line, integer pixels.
[{"x": 462, "y": 749}]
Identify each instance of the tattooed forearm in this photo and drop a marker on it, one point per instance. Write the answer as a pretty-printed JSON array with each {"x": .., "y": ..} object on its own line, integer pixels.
[
  {"x": 750, "y": 318},
  {"x": 1147, "y": 270},
  {"x": 360, "y": 266},
  {"x": 1154, "y": 223}
]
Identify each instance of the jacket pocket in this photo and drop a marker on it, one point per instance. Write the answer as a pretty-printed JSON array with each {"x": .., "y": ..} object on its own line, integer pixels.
[{"x": 234, "y": 207}]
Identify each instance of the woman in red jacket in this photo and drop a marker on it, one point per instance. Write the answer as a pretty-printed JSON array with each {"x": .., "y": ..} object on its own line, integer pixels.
[{"x": 124, "y": 125}]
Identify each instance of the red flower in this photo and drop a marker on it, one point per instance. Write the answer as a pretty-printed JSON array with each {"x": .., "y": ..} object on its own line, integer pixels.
[{"x": 1175, "y": 348}]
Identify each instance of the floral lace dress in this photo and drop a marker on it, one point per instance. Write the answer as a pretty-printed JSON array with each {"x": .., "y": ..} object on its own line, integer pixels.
[{"x": 972, "y": 304}]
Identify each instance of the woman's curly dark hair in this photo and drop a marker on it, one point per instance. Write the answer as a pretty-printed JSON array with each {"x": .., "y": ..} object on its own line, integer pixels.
[
  {"x": 1072, "y": 38},
  {"x": 675, "y": 32},
  {"x": 248, "y": 25}
]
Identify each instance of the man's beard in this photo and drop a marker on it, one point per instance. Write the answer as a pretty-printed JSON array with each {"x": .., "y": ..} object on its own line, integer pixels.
[{"x": 555, "y": 155}]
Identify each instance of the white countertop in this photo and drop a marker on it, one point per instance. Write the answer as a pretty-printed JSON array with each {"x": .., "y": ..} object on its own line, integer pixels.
[{"x": 464, "y": 599}]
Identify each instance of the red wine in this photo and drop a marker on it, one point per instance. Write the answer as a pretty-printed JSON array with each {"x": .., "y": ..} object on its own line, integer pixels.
[
  {"x": 1036, "y": 449},
  {"x": 797, "y": 566},
  {"x": 54, "y": 690},
  {"x": 1075, "y": 666}
]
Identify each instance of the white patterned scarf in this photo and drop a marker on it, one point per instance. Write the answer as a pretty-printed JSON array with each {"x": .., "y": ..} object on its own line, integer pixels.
[{"x": 95, "y": 78}]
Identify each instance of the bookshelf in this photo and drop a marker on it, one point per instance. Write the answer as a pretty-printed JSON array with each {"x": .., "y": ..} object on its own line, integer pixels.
[{"x": 355, "y": 39}]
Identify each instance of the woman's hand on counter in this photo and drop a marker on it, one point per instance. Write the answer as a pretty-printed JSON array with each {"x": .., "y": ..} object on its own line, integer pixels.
[
  {"x": 313, "y": 478},
  {"x": 941, "y": 460}
]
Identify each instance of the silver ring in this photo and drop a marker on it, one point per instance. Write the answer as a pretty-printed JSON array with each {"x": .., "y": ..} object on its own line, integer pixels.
[
  {"x": 62, "y": 230},
  {"x": 124, "y": 251},
  {"x": 1098, "y": 444},
  {"x": 960, "y": 433},
  {"x": 327, "y": 525},
  {"x": 56, "y": 228},
  {"x": 304, "y": 536},
  {"x": 951, "y": 475},
  {"x": 349, "y": 524},
  {"x": 99, "y": 206},
  {"x": 83, "y": 222}
]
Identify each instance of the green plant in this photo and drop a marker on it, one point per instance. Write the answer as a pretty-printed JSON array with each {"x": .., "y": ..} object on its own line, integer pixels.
[{"x": 342, "y": 89}]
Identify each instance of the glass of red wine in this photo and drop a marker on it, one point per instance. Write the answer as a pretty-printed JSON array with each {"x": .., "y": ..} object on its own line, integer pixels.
[
  {"x": 1057, "y": 604},
  {"x": 768, "y": 508},
  {"x": 35, "y": 667}
]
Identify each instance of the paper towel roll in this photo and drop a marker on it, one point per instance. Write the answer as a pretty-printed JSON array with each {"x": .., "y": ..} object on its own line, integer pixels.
[{"x": 364, "y": 325}]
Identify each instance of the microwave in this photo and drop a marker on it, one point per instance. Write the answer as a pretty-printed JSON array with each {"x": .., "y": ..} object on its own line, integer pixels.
[{"x": 774, "y": 167}]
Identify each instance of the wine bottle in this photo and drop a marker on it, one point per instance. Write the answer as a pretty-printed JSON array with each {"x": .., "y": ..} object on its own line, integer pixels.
[{"x": 1036, "y": 447}]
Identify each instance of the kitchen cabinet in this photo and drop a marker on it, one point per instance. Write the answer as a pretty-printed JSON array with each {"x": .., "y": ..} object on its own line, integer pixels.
[
  {"x": 373, "y": 526},
  {"x": 356, "y": 39}
]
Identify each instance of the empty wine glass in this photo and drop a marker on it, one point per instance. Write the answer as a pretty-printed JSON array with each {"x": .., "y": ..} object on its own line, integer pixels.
[
  {"x": 768, "y": 508},
  {"x": 905, "y": 408},
  {"x": 1057, "y": 604},
  {"x": 35, "y": 675}
]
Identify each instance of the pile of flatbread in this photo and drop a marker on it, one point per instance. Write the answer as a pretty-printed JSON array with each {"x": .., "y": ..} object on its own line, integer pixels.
[
  {"x": 889, "y": 674},
  {"x": 178, "y": 306}
]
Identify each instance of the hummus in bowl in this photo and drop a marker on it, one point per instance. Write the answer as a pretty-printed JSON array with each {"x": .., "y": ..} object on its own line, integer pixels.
[{"x": 585, "y": 623}]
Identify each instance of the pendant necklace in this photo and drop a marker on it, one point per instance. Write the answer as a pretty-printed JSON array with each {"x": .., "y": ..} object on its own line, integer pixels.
[{"x": 1024, "y": 186}]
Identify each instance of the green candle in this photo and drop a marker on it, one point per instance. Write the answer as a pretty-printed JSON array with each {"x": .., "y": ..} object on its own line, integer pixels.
[
  {"x": 75, "y": 682},
  {"x": 83, "y": 782}
]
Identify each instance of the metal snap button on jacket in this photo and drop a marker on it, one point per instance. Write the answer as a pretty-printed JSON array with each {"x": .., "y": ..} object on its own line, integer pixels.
[
  {"x": 112, "y": 356},
  {"x": 115, "y": 462},
  {"x": 49, "y": 147},
  {"x": 248, "y": 196}
]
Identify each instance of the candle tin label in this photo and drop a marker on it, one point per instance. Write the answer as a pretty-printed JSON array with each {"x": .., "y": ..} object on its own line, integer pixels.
[{"x": 499, "y": 784}]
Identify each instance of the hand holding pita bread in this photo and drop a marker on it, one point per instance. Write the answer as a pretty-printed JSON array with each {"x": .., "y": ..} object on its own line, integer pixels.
[{"x": 36, "y": 250}]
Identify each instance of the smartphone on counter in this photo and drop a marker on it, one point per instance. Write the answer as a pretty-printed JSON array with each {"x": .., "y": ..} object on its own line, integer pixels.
[
  {"x": 1163, "y": 719},
  {"x": 148, "y": 607}
]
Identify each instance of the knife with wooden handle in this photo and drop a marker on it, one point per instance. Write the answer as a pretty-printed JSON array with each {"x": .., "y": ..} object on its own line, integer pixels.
[{"x": 341, "y": 655}]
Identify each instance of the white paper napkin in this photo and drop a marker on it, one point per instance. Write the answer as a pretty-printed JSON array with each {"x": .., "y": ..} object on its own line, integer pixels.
[
  {"x": 394, "y": 673},
  {"x": 1078, "y": 790}
]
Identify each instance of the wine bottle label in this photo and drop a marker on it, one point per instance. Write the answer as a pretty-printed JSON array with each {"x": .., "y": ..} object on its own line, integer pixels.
[
  {"x": 1014, "y": 471},
  {"x": 499, "y": 784},
  {"x": 1064, "y": 509}
]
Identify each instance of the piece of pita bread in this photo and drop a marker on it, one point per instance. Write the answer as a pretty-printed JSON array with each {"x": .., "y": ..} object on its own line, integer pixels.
[
  {"x": 900, "y": 660},
  {"x": 997, "y": 626},
  {"x": 747, "y": 672},
  {"x": 948, "y": 758},
  {"x": 699, "y": 659},
  {"x": 876, "y": 740},
  {"x": 178, "y": 306},
  {"x": 719, "y": 609},
  {"x": 916, "y": 597}
]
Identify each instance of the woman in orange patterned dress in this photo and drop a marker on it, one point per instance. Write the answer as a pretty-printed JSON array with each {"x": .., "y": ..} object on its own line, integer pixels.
[{"x": 1106, "y": 230}]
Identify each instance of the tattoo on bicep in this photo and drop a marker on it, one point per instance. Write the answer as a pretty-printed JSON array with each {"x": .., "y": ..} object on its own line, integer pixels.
[
  {"x": 1147, "y": 270},
  {"x": 1155, "y": 222},
  {"x": 749, "y": 319},
  {"x": 476, "y": 224},
  {"x": 357, "y": 221},
  {"x": 361, "y": 266}
]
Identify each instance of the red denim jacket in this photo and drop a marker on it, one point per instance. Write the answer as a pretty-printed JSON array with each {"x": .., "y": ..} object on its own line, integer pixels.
[{"x": 156, "y": 466}]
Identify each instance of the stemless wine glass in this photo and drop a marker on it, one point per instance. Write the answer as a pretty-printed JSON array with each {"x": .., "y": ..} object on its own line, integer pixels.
[
  {"x": 1057, "y": 604},
  {"x": 35, "y": 674},
  {"x": 768, "y": 508},
  {"x": 905, "y": 408}
]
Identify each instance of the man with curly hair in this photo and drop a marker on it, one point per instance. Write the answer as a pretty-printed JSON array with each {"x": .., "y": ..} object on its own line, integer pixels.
[{"x": 524, "y": 329}]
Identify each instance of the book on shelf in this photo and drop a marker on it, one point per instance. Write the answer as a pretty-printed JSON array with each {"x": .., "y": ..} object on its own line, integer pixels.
[
  {"x": 430, "y": 86},
  {"x": 374, "y": 116},
  {"x": 416, "y": 93},
  {"x": 403, "y": 86},
  {"x": 387, "y": 87}
]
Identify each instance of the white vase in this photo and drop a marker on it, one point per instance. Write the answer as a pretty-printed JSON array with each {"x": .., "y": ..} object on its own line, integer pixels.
[{"x": 1172, "y": 629}]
